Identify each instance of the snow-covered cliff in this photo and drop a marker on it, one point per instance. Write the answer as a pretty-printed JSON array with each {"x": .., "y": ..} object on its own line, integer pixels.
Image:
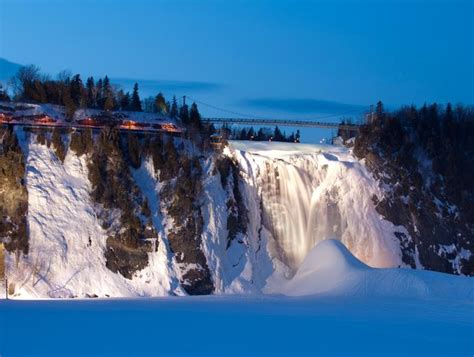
[{"x": 245, "y": 226}]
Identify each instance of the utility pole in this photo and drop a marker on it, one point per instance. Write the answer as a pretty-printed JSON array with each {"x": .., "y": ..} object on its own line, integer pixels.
[{"x": 184, "y": 100}]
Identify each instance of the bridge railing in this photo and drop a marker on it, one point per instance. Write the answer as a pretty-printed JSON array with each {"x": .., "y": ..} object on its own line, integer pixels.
[{"x": 280, "y": 122}]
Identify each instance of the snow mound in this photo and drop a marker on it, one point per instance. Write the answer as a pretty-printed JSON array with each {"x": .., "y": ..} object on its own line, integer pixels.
[{"x": 331, "y": 269}]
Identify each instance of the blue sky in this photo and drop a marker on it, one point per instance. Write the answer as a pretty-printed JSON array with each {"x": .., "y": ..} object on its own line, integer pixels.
[{"x": 246, "y": 55}]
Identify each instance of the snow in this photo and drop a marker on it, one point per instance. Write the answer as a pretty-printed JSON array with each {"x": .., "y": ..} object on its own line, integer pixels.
[
  {"x": 316, "y": 192},
  {"x": 61, "y": 220},
  {"x": 335, "y": 200},
  {"x": 237, "y": 326},
  {"x": 330, "y": 269},
  {"x": 331, "y": 303}
]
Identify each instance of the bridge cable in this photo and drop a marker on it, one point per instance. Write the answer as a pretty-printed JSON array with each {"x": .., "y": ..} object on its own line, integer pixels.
[{"x": 355, "y": 110}]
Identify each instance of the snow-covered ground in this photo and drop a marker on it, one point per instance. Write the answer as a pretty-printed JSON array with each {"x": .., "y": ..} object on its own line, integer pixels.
[
  {"x": 353, "y": 310},
  {"x": 237, "y": 326}
]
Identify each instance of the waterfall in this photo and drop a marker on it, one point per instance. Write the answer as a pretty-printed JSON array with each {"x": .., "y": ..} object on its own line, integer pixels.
[{"x": 310, "y": 193}]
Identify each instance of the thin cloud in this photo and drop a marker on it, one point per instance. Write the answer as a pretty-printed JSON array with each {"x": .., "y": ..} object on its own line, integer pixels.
[{"x": 167, "y": 86}]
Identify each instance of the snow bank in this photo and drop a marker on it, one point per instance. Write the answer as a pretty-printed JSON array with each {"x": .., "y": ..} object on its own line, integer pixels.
[{"x": 329, "y": 268}]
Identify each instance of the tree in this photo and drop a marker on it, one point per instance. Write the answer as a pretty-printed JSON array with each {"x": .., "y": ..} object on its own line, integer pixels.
[
  {"x": 58, "y": 145},
  {"x": 134, "y": 151},
  {"x": 277, "y": 135},
  {"x": 125, "y": 102},
  {"x": 136, "y": 104},
  {"x": 23, "y": 81},
  {"x": 91, "y": 93},
  {"x": 379, "y": 110},
  {"x": 194, "y": 116},
  {"x": 160, "y": 104},
  {"x": 184, "y": 114},
  {"x": 99, "y": 93},
  {"x": 68, "y": 103},
  {"x": 174, "y": 108},
  {"x": 108, "y": 95},
  {"x": 77, "y": 91}
]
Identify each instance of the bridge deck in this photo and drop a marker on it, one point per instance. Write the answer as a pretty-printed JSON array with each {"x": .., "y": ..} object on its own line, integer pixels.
[{"x": 280, "y": 122}]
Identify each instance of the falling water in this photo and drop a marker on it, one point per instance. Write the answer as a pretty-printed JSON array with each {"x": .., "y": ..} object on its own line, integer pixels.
[
  {"x": 309, "y": 193},
  {"x": 297, "y": 214}
]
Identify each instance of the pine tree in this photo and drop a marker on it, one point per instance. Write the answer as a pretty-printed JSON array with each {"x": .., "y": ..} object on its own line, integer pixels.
[
  {"x": 109, "y": 103},
  {"x": 91, "y": 93},
  {"x": 194, "y": 116},
  {"x": 108, "y": 93},
  {"x": 184, "y": 114},
  {"x": 160, "y": 104},
  {"x": 77, "y": 91},
  {"x": 99, "y": 94},
  {"x": 277, "y": 135},
  {"x": 125, "y": 102},
  {"x": 379, "y": 110},
  {"x": 136, "y": 104},
  {"x": 174, "y": 108}
]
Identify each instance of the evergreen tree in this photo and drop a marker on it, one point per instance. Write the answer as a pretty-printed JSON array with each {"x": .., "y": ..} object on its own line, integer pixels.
[
  {"x": 194, "y": 116},
  {"x": 184, "y": 114},
  {"x": 379, "y": 110},
  {"x": 68, "y": 103},
  {"x": 99, "y": 94},
  {"x": 77, "y": 91},
  {"x": 109, "y": 103},
  {"x": 160, "y": 104},
  {"x": 174, "y": 108},
  {"x": 108, "y": 94},
  {"x": 125, "y": 102},
  {"x": 91, "y": 93},
  {"x": 136, "y": 104},
  {"x": 277, "y": 135}
]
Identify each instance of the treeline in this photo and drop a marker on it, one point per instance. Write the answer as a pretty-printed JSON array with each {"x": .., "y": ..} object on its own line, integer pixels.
[
  {"x": 446, "y": 136},
  {"x": 31, "y": 85},
  {"x": 262, "y": 134}
]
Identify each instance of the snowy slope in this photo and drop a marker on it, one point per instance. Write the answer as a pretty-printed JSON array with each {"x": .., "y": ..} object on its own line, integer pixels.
[
  {"x": 330, "y": 269},
  {"x": 61, "y": 219}
]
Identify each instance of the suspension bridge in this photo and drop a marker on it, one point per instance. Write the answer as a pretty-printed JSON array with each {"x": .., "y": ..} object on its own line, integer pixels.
[
  {"x": 250, "y": 120},
  {"x": 282, "y": 122}
]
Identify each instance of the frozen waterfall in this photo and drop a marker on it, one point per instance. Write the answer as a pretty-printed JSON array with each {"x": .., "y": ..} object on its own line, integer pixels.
[{"x": 309, "y": 193}]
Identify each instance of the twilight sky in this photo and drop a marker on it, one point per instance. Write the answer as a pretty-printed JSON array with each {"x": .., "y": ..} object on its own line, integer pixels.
[{"x": 319, "y": 56}]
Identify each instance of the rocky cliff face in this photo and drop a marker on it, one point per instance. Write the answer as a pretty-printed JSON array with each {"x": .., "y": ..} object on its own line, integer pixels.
[
  {"x": 13, "y": 194},
  {"x": 423, "y": 176}
]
